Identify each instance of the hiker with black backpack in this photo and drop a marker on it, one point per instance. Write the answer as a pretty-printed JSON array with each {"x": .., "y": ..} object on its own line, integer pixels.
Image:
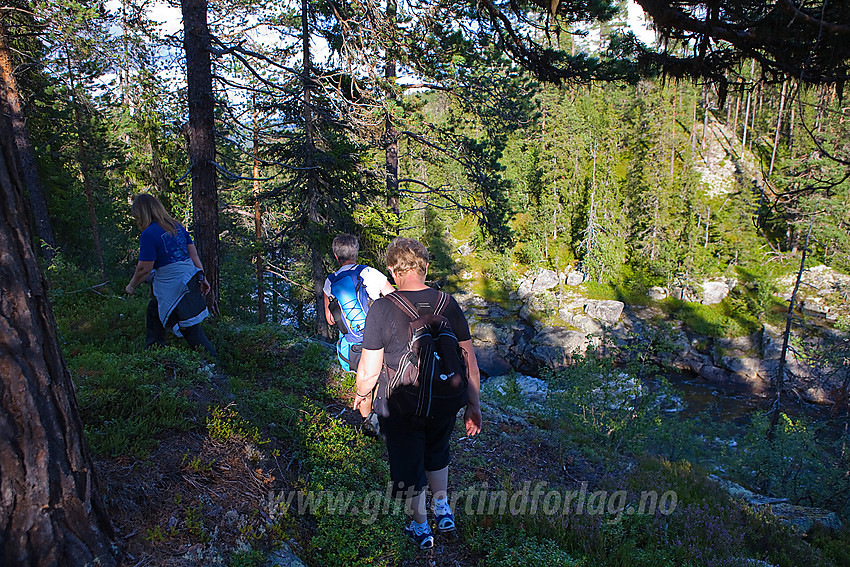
[
  {"x": 417, "y": 370},
  {"x": 348, "y": 293}
]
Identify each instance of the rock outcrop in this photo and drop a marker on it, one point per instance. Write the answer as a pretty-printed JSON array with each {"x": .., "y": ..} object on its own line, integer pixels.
[
  {"x": 550, "y": 321},
  {"x": 802, "y": 518}
]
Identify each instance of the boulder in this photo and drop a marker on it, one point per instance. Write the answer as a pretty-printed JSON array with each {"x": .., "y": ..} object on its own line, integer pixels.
[
  {"x": 771, "y": 343},
  {"x": 527, "y": 388},
  {"x": 283, "y": 557},
  {"x": 749, "y": 343},
  {"x": 605, "y": 310},
  {"x": 657, "y": 293},
  {"x": 713, "y": 292},
  {"x": 575, "y": 278},
  {"x": 491, "y": 362},
  {"x": 804, "y": 518},
  {"x": 537, "y": 306},
  {"x": 745, "y": 367},
  {"x": 547, "y": 279},
  {"x": 714, "y": 374},
  {"x": 488, "y": 332},
  {"x": 523, "y": 334},
  {"x": 580, "y": 321},
  {"x": 815, "y": 394},
  {"x": 554, "y": 347},
  {"x": 524, "y": 289},
  {"x": 692, "y": 360},
  {"x": 801, "y": 517},
  {"x": 815, "y": 306},
  {"x": 684, "y": 293}
]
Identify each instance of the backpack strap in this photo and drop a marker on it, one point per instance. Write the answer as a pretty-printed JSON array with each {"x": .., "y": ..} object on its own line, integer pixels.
[
  {"x": 442, "y": 303},
  {"x": 357, "y": 273},
  {"x": 405, "y": 305},
  {"x": 402, "y": 303}
]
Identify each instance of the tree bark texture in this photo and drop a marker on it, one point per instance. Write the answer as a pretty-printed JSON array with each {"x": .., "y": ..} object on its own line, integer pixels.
[
  {"x": 196, "y": 42},
  {"x": 26, "y": 154},
  {"x": 51, "y": 511}
]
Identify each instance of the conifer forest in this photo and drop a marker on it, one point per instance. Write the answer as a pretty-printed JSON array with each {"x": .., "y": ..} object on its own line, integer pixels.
[{"x": 636, "y": 154}]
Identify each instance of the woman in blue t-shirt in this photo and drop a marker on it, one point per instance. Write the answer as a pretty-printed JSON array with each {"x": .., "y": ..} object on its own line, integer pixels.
[{"x": 168, "y": 256}]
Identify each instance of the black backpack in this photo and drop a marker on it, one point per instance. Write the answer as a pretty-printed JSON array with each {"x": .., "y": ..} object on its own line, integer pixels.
[{"x": 432, "y": 375}]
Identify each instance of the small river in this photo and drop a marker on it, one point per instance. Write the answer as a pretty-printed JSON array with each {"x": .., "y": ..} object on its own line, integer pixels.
[{"x": 734, "y": 408}]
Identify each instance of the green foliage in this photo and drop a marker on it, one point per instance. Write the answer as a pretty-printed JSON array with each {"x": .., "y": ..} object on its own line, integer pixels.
[
  {"x": 225, "y": 423},
  {"x": 834, "y": 546},
  {"x": 509, "y": 546},
  {"x": 348, "y": 477},
  {"x": 250, "y": 351},
  {"x": 196, "y": 464},
  {"x": 274, "y": 409},
  {"x": 603, "y": 404},
  {"x": 249, "y": 558},
  {"x": 730, "y": 318},
  {"x": 337, "y": 456},
  {"x": 799, "y": 464},
  {"x": 89, "y": 313},
  {"x": 344, "y": 539},
  {"x": 127, "y": 401},
  {"x": 631, "y": 290},
  {"x": 195, "y": 528},
  {"x": 158, "y": 535}
]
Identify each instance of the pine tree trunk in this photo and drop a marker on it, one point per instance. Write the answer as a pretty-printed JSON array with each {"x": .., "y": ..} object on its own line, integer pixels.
[
  {"x": 779, "y": 379},
  {"x": 196, "y": 43},
  {"x": 26, "y": 154},
  {"x": 778, "y": 127},
  {"x": 704, "y": 116},
  {"x": 313, "y": 197},
  {"x": 51, "y": 511},
  {"x": 390, "y": 133},
  {"x": 83, "y": 162},
  {"x": 673, "y": 129},
  {"x": 258, "y": 225},
  {"x": 757, "y": 97},
  {"x": 737, "y": 110},
  {"x": 694, "y": 129},
  {"x": 791, "y": 131}
]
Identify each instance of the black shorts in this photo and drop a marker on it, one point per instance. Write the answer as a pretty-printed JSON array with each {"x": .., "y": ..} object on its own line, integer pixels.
[{"x": 415, "y": 445}]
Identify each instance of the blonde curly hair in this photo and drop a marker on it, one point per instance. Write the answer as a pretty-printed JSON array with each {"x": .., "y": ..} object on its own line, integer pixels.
[{"x": 405, "y": 254}]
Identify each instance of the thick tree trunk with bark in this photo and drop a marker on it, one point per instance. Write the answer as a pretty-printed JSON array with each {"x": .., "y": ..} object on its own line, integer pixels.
[
  {"x": 26, "y": 154},
  {"x": 51, "y": 511},
  {"x": 313, "y": 217},
  {"x": 196, "y": 42}
]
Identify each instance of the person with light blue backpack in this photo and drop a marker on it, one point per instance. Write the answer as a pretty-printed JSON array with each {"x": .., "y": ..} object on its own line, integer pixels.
[{"x": 348, "y": 293}]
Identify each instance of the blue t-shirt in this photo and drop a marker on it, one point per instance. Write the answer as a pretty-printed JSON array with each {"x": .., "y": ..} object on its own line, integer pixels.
[{"x": 162, "y": 247}]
